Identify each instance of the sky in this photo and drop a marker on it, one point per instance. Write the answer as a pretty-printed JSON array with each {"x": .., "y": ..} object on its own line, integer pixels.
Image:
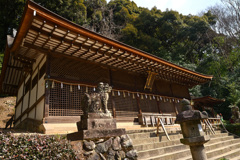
[{"x": 182, "y": 6}]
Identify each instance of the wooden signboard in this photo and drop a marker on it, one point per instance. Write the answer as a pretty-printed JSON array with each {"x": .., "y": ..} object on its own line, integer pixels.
[{"x": 150, "y": 80}]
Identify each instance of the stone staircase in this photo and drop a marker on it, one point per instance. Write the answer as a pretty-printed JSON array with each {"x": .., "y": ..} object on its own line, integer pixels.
[{"x": 149, "y": 146}]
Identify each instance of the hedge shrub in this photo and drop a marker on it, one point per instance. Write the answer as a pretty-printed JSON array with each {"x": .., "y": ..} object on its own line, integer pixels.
[
  {"x": 35, "y": 146},
  {"x": 233, "y": 128}
]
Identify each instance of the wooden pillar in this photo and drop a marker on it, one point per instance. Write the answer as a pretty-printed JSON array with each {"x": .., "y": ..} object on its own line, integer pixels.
[
  {"x": 112, "y": 97},
  {"x": 113, "y": 107},
  {"x": 23, "y": 95},
  {"x": 158, "y": 104},
  {"x": 174, "y": 105},
  {"x": 35, "y": 114},
  {"x": 47, "y": 86},
  {"x": 30, "y": 90},
  {"x": 213, "y": 112},
  {"x": 138, "y": 104}
]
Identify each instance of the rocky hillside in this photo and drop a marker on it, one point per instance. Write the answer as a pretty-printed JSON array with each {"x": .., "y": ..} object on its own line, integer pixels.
[{"x": 7, "y": 109}]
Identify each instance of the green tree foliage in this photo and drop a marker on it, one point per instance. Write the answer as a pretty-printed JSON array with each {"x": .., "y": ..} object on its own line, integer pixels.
[
  {"x": 10, "y": 13},
  {"x": 73, "y": 10}
]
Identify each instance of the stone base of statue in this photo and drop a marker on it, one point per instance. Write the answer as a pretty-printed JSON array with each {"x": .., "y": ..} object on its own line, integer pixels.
[{"x": 95, "y": 125}]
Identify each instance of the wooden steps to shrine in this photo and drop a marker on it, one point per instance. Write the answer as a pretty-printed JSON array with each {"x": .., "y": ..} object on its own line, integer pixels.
[{"x": 150, "y": 146}]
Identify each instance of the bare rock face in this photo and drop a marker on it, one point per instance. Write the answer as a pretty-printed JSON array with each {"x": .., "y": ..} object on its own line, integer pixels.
[
  {"x": 111, "y": 154},
  {"x": 126, "y": 141},
  {"x": 102, "y": 156},
  {"x": 120, "y": 155},
  {"x": 132, "y": 154},
  {"x": 94, "y": 156},
  {"x": 103, "y": 147},
  {"x": 89, "y": 146},
  {"x": 113, "y": 148},
  {"x": 117, "y": 144}
]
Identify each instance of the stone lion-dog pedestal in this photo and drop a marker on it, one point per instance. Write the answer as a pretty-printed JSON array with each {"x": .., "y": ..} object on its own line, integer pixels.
[{"x": 97, "y": 121}]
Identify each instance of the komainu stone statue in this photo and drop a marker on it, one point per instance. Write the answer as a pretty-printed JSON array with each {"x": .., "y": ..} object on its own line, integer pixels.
[
  {"x": 97, "y": 102},
  {"x": 97, "y": 120},
  {"x": 235, "y": 114}
]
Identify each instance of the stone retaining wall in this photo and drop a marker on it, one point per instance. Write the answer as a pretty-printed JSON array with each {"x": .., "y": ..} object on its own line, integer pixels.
[{"x": 114, "y": 148}]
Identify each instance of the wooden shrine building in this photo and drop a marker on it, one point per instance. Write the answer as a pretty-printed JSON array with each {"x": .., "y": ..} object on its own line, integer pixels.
[
  {"x": 207, "y": 103},
  {"x": 52, "y": 62}
]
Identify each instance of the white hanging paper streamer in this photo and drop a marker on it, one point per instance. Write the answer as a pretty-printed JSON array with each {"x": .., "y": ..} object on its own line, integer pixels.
[
  {"x": 150, "y": 97},
  {"x": 46, "y": 84},
  {"x": 138, "y": 94},
  {"x": 86, "y": 89},
  {"x": 157, "y": 98},
  {"x": 173, "y": 100},
  {"x": 160, "y": 98},
  {"x": 71, "y": 88},
  {"x": 52, "y": 84},
  {"x": 153, "y": 97},
  {"x": 94, "y": 89},
  {"x": 79, "y": 87},
  {"x": 141, "y": 96},
  {"x": 145, "y": 96},
  {"x": 119, "y": 93},
  {"x": 128, "y": 93},
  {"x": 167, "y": 99},
  {"x": 61, "y": 85}
]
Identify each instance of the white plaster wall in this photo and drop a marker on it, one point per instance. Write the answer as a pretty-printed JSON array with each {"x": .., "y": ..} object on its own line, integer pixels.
[
  {"x": 33, "y": 96},
  {"x": 37, "y": 61},
  {"x": 41, "y": 87},
  {"x": 39, "y": 110},
  {"x": 35, "y": 73},
  {"x": 43, "y": 61},
  {"x": 24, "y": 117},
  {"x": 25, "y": 101},
  {"x": 32, "y": 113},
  {"x": 27, "y": 78},
  {"x": 18, "y": 110},
  {"x": 20, "y": 92}
]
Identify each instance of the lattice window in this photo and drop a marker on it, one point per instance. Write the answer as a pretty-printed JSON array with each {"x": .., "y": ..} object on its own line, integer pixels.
[
  {"x": 65, "y": 100},
  {"x": 125, "y": 106},
  {"x": 148, "y": 105}
]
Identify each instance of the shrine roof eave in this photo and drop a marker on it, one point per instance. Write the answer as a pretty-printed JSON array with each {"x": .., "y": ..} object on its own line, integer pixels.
[{"x": 44, "y": 31}]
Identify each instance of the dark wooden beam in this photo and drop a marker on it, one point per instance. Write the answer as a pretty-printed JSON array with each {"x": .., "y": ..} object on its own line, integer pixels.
[
  {"x": 11, "y": 85},
  {"x": 24, "y": 59}
]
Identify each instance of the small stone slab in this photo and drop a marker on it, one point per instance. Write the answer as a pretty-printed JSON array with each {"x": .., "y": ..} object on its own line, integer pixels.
[
  {"x": 101, "y": 123},
  {"x": 95, "y": 133}
]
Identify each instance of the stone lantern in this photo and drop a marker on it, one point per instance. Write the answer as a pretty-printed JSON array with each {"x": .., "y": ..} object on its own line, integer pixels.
[{"x": 193, "y": 134}]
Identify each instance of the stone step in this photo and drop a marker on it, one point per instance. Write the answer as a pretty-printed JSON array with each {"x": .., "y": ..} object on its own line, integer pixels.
[
  {"x": 149, "y": 154},
  {"x": 209, "y": 149},
  {"x": 224, "y": 149},
  {"x": 169, "y": 156},
  {"x": 155, "y": 139},
  {"x": 179, "y": 150},
  {"x": 152, "y": 133},
  {"x": 237, "y": 156},
  {"x": 233, "y": 155},
  {"x": 213, "y": 146},
  {"x": 143, "y": 147},
  {"x": 162, "y": 137},
  {"x": 59, "y": 128}
]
